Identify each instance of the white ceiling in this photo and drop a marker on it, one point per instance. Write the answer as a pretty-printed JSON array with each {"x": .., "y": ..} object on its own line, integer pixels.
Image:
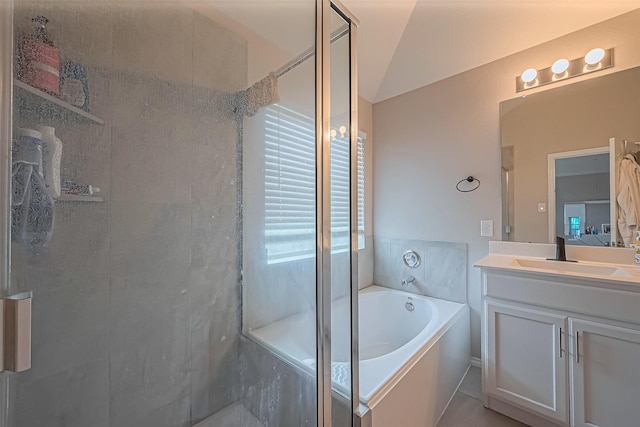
[{"x": 406, "y": 44}]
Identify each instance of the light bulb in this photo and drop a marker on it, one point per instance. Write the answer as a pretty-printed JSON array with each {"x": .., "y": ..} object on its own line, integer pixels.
[
  {"x": 529, "y": 75},
  {"x": 342, "y": 130},
  {"x": 560, "y": 66},
  {"x": 333, "y": 133},
  {"x": 594, "y": 56}
]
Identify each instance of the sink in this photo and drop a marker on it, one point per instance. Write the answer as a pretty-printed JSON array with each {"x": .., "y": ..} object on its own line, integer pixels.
[{"x": 570, "y": 267}]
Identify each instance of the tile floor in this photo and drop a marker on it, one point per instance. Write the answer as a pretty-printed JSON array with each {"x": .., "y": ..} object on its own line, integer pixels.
[
  {"x": 466, "y": 410},
  {"x": 234, "y": 415}
]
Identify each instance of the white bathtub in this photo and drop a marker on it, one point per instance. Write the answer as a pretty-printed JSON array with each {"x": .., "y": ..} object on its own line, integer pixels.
[{"x": 411, "y": 362}]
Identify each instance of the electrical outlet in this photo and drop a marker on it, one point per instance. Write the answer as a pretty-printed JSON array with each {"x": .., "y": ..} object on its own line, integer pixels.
[{"x": 486, "y": 228}]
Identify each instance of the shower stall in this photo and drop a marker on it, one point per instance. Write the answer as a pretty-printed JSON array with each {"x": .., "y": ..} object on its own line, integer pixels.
[{"x": 175, "y": 177}]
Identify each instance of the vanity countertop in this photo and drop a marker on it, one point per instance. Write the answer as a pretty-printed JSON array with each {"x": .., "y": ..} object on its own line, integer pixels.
[
  {"x": 579, "y": 270},
  {"x": 534, "y": 260}
]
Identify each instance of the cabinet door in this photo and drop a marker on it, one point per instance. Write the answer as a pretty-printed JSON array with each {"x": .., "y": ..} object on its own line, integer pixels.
[
  {"x": 605, "y": 375},
  {"x": 526, "y": 359}
]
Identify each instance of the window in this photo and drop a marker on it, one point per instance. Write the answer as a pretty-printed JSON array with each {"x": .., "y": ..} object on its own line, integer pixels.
[
  {"x": 574, "y": 227},
  {"x": 290, "y": 187}
]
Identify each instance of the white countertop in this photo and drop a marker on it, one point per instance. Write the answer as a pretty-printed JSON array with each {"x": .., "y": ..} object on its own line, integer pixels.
[{"x": 531, "y": 258}]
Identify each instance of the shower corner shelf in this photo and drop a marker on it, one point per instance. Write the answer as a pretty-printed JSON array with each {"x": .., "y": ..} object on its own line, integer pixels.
[
  {"x": 52, "y": 103},
  {"x": 77, "y": 198}
]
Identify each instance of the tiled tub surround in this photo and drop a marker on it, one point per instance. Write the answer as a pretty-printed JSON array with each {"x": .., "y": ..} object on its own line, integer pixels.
[{"x": 442, "y": 272}]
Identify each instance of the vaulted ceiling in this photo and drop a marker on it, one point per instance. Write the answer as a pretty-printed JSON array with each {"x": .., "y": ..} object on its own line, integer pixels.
[{"x": 407, "y": 44}]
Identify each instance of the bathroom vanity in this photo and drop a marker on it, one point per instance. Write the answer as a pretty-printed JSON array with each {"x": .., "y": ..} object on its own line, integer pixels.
[{"x": 561, "y": 340}]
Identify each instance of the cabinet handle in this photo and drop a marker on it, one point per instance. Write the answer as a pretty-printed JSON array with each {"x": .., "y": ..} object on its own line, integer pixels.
[
  {"x": 560, "y": 342},
  {"x": 577, "y": 346}
]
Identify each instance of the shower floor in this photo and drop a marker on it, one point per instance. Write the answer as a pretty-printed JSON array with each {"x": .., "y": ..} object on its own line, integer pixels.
[{"x": 234, "y": 415}]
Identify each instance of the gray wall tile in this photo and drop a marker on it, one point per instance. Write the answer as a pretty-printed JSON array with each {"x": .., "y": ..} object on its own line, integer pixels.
[
  {"x": 150, "y": 241},
  {"x": 274, "y": 391},
  {"x": 151, "y": 141},
  {"x": 76, "y": 397},
  {"x": 215, "y": 328},
  {"x": 154, "y": 39},
  {"x": 149, "y": 350},
  {"x": 365, "y": 264},
  {"x": 70, "y": 325},
  {"x": 442, "y": 272},
  {"x": 137, "y": 300}
]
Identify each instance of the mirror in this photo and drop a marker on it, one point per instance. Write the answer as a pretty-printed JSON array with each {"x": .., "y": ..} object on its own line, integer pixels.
[{"x": 561, "y": 152}]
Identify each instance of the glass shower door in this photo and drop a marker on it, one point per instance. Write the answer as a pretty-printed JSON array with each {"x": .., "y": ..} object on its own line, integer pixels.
[
  {"x": 161, "y": 202},
  {"x": 135, "y": 261}
]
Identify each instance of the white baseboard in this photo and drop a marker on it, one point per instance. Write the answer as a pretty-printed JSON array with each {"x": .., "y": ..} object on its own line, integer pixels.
[{"x": 476, "y": 362}]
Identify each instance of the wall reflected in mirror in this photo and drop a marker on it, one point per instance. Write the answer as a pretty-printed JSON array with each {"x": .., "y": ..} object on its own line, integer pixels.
[{"x": 561, "y": 154}]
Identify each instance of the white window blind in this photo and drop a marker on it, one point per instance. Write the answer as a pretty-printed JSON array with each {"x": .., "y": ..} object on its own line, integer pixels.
[
  {"x": 290, "y": 187},
  {"x": 360, "y": 193}
]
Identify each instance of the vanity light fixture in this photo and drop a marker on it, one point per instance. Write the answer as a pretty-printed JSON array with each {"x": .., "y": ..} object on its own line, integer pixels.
[
  {"x": 595, "y": 60},
  {"x": 560, "y": 66},
  {"x": 594, "y": 56},
  {"x": 529, "y": 75}
]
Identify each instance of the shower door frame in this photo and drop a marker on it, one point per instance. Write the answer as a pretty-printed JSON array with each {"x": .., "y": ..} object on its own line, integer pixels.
[
  {"x": 6, "y": 95},
  {"x": 324, "y": 8}
]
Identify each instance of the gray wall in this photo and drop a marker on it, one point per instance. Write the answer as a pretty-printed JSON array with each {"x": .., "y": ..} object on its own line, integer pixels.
[
  {"x": 428, "y": 139},
  {"x": 136, "y": 300}
]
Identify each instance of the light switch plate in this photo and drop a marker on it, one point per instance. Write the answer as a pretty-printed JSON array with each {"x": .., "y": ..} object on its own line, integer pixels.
[
  {"x": 542, "y": 207},
  {"x": 486, "y": 228}
]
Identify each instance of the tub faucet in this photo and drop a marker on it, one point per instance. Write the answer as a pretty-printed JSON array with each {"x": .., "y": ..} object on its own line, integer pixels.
[{"x": 407, "y": 280}]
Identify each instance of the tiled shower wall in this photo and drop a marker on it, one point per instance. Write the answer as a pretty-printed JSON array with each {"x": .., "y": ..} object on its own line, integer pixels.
[
  {"x": 442, "y": 272},
  {"x": 137, "y": 300}
]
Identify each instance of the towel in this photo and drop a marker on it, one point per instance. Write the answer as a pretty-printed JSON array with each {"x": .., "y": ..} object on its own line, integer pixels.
[
  {"x": 628, "y": 198},
  {"x": 262, "y": 93}
]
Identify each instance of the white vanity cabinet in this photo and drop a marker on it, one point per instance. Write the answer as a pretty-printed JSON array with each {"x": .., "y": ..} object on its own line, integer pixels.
[
  {"x": 526, "y": 358},
  {"x": 561, "y": 351},
  {"x": 605, "y": 375}
]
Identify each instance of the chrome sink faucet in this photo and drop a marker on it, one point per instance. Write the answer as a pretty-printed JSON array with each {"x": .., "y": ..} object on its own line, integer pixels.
[{"x": 407, "y": 280}]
